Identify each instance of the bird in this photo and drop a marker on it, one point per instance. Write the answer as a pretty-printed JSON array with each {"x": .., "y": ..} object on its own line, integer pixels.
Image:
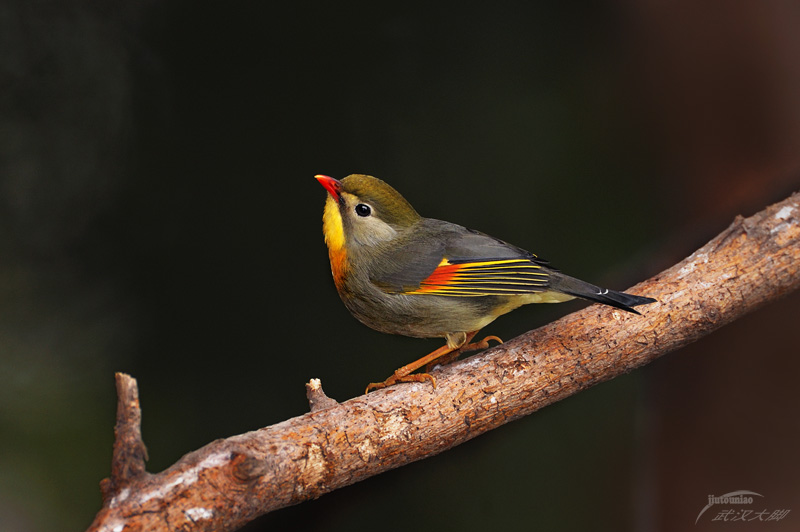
[{"x": 401, "y": 273}]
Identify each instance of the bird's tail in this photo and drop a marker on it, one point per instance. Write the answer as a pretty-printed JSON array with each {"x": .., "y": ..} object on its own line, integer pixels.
[{"x": 575, "y": 287}]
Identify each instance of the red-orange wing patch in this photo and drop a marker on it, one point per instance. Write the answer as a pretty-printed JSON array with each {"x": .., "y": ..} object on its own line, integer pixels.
[{"x": 484, "y": 278}]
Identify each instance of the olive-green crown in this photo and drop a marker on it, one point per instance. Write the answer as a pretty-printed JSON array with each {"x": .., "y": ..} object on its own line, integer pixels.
[{"x": 391, "y": 206}]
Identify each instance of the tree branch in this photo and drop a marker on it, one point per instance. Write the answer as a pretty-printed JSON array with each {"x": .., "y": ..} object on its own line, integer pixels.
[
  {"x": 130, "y": 454},
  {"x": 229, "y": 482}
]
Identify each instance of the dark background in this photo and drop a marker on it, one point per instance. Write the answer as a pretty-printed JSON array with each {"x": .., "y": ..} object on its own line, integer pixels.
[{"x": 159, "y": 216}]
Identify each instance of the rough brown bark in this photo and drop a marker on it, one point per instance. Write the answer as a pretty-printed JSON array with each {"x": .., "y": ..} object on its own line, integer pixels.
[
  {"x": 231, "y": 481},
  {"x": 130, "y": 454}
]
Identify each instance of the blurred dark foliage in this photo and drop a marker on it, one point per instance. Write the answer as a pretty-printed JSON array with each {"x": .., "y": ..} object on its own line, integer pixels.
[{"x": 158, "y": 216}]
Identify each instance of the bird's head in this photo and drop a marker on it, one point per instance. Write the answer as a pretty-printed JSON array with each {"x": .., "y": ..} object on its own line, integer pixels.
[{"x": 362, "y": 210}]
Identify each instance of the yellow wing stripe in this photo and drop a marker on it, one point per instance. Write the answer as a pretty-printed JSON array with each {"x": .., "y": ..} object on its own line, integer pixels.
[{"x": 496, "y": 277}]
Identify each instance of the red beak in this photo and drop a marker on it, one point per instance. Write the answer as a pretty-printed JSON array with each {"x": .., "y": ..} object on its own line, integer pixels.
[{"x": 333, "y": 186}]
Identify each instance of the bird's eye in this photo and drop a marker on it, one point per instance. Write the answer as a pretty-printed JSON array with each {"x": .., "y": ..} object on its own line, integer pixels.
[{"x": 363, "y": 209}]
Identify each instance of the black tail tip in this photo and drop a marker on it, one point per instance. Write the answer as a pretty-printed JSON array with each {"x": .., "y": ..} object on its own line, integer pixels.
[
  {"x": 627, "y": 302},
  {"x": 619, "y": 300}
]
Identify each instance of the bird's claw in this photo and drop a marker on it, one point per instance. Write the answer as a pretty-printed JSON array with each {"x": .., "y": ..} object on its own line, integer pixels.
[
  {"x": 396, "y": 379},
  {"x": 483, "y": 344}
]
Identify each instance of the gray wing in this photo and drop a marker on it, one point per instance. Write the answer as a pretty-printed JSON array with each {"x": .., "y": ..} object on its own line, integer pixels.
[{"x": 452, "y": 260}]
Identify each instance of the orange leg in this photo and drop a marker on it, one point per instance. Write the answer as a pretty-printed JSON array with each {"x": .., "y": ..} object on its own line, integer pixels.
[
  {"x": 443, "y": 355},
  {"x": 453, "y": 355}
]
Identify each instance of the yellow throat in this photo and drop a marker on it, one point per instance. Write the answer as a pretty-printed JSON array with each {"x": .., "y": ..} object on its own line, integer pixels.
[{"x": 333, "y": 229}]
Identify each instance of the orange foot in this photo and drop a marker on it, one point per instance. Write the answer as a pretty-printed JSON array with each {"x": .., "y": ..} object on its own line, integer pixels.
[
  {"x": 395, "y": 378},
  {"x": 443, "y": 355},
  {"x": 449, "y": 357},
  {"x": 483, "y": 344}
]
